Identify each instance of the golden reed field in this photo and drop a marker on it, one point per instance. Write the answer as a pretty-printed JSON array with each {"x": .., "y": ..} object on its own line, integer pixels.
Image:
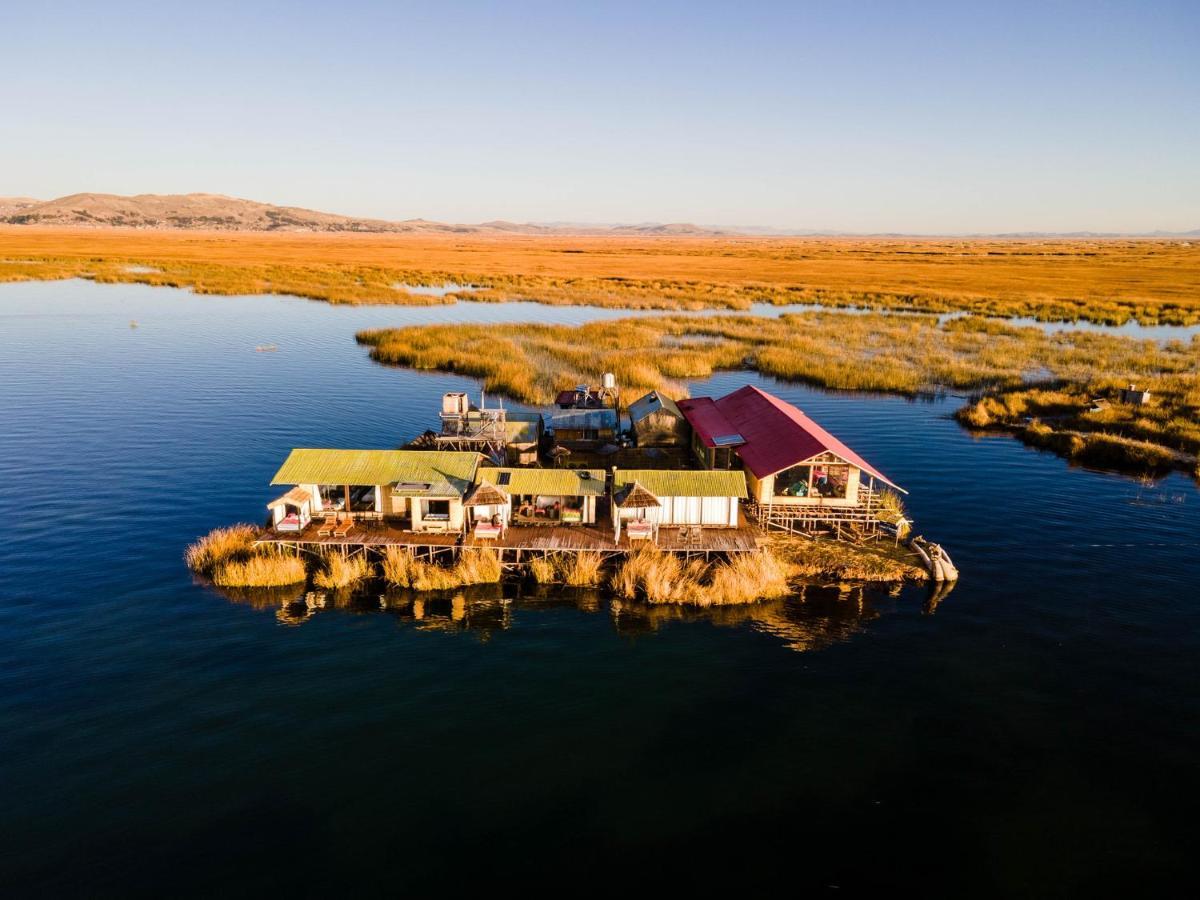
[{"x": 1101, "y": 280}]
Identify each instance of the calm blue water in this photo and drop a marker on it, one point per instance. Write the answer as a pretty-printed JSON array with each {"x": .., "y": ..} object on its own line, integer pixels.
[{"x": 1035, "y": 735}]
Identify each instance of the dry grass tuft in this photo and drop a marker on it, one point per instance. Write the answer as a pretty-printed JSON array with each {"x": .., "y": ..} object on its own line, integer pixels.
[
  {"x": 220, "y": 545},
  {"x": 342, "y": 572},
  {"x": 651, "y": 575},
  {"x": 260, "y": 570},
  {"x": 402, "y": 569},
  {"x": 572, "y": 569}
]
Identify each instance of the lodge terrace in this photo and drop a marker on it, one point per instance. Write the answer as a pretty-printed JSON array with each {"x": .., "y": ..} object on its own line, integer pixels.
[{"x": 758, "y": 463}]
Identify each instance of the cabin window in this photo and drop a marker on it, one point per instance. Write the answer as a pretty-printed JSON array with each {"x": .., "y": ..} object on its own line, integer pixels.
[
  {"x": 821, "y": 480},
  {"x": 438, "y": 510},
  {"x": 830, "y": 481},
  {"x": 793, "y": 482}
]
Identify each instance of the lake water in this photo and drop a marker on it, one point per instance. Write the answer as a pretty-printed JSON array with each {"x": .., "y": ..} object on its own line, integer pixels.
[{"x": 1034, "y": 733}]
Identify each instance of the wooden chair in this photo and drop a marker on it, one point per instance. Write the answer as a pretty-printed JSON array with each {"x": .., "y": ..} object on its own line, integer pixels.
[
  {"x": 325, "y": 529},
  {"x": 694, "y": 534},
  {"x": 342, "y": 528}
]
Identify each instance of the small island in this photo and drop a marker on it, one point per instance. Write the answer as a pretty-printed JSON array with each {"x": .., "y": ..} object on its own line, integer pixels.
[{"x": 704, "y": 501}]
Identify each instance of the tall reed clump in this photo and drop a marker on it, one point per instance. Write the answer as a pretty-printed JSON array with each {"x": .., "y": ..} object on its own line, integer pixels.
[
  {"x": 402, "y": 569},
  {"x": 270, "y": 569},
  {"x": 657, "y": 577},
  {"x": 218, "y": 546},
  {"x": 572, "y": 569},
  {"x": 342, "y": 572},
  {"x": 745, "y": 578},
  {"x": 229, "y": 558}
]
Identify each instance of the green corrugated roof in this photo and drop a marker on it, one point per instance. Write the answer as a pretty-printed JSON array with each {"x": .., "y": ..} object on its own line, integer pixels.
[
  {"x": 548, "y": 482},
  {"x": 419, "y": 472},
  {"x": 700, "y": 483}
]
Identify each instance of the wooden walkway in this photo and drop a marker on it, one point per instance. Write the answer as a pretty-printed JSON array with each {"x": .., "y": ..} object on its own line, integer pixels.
[{"x": 532, "y": 540}]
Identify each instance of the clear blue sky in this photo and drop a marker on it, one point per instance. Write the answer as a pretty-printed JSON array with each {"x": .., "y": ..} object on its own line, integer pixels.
[{"x": 920, "y": 117}]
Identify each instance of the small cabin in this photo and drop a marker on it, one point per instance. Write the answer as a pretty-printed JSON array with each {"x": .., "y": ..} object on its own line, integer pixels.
[
  {"x": 584, "y": 428},
  {"x": 538, "y": 496},
  {"x": 523, "y": 436},
  {"x": 416, "y": 490},
  {"x": 658, "y": 497},
  {"x": 658, "y": 422}
]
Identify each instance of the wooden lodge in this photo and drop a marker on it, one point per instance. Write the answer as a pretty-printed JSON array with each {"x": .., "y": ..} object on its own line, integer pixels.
[
  {"x": 416, "y": 490},
  {"x": 799, "y": 476},
  {"x": 760, "y": 463}
]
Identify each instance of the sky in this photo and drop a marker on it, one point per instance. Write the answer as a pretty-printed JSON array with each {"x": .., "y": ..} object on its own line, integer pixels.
[{"x": 865, "y": 117}]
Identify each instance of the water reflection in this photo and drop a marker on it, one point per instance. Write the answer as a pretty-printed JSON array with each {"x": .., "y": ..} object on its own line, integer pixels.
[{"x": 813, "y": 618}]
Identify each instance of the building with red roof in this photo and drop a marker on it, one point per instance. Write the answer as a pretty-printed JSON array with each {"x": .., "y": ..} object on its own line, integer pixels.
[{"x": 789, "y": 459}]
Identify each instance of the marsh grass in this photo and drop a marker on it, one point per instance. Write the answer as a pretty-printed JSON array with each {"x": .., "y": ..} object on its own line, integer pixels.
[
  {"x": 585, "y": 569},
  {"x": 261, "y": 570},
  {"x": 827, "y": 560},
  {"x": 1106, "y": 281},
  {"x": 654, "y": 576},
  {"x": 1021, "y": 372},
  {"x": 229, "y": 558},
  {"x": 340, "y": 572},
  {"x": 220, "y": 545},
  {"x": 402, "y": 569}
]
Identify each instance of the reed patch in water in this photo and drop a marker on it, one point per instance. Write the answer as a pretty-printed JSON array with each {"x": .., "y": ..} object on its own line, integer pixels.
[{"x": 341, "y": 572}]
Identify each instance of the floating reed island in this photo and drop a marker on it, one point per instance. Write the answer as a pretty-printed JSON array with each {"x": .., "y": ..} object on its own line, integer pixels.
[
  {"x": 701, "y": 501},
  {"x": 1070, "y": 391}
]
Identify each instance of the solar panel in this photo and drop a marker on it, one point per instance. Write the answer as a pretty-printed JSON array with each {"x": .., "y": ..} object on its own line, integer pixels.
[
  {"x": 505, "y": 478},
  {"x": 728, "y": 440}
]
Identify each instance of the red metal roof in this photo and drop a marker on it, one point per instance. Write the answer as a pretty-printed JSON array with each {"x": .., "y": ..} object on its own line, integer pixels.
[
  {"x": 778, "y": 435},
  {"x": 710, "y": 425}
]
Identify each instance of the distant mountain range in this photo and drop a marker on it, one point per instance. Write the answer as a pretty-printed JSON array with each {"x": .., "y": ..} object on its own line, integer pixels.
[
  {"x": 217, "y": 212},
  {"x": 221, "y": 213}
]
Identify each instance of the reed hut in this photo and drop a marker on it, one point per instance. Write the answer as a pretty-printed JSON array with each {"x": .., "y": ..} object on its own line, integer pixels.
[
  {"x": 635, "y": 506},
  {"x": 489, "y": 509}
]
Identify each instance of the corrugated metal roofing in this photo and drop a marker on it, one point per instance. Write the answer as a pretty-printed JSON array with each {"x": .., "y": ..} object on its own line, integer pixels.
[
  {"x": 710, "y": 425},
  {"x": 698, "y": 483},
  {"x": 547, "y": 482},
  {"x": 779, "y": 436},
  {"x": 522, "y": 428},
  {"x": 437, "y": 473},
  {"x": 580, "y": 419},
  {"x": 650, "y": 404}
]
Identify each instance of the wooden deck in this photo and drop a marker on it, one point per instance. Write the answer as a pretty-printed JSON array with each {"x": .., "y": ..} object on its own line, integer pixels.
[
  {"x": 599, "y": 538},
  {"x": 534, "y": 540}
]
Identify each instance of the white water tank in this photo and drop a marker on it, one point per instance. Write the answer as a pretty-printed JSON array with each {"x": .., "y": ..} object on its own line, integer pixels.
[
  {"x": 454, "y": 404},
  {"x": 609, "y": 381}
]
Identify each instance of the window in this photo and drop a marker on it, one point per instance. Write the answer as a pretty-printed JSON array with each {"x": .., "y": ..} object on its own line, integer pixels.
[
  {"x": 793, "y": 482},
  {"x": 436, "y": 509},
  {"x": 829, "y": 481}
]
